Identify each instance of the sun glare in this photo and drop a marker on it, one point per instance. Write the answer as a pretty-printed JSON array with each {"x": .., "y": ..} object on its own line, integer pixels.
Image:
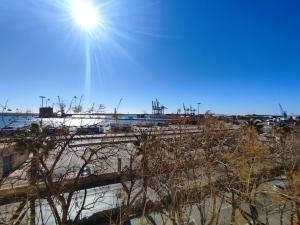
[{"x": 85, "y": 14}]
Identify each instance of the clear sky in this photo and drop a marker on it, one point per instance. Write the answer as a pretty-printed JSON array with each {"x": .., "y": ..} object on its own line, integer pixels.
[{"x": 233, "y": 56}]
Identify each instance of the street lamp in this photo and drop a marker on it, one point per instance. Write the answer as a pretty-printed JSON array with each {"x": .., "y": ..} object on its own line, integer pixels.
[
  {"x": 198, "y": 106},
  {"x": 42, "y": 97}
]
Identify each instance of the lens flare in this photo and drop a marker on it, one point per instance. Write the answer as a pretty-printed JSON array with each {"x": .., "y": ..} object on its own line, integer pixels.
[{"x": 85, "y": 14}]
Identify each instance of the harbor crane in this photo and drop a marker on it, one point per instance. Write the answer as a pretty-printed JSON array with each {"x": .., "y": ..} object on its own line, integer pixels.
[
  {"x": 92, "y": 109},
  {"x": 117, "y": 108},
  {"x": 101, "y": 108},
  {"x": 61, "y": 106},
  {"x": 189, "y": 110},
  {"x": 157, "y": 108},
  {"x": 71, "y": 103},
  {"x": 283, "y": 112},
  {"x": 186, "y": 110},
  {"x": 192, "y": 110},
  {"x": 163, "y": 109},
  {"x": 78, "y": 108}
]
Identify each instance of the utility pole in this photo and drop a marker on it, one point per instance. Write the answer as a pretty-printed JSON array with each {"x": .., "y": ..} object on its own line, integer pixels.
[
  {"x": 42, "y": 97},
  {"x": 198, "y": 106}
]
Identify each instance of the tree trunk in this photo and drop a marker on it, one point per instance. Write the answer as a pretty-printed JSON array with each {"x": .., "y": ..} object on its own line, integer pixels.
[
  {"x": 32, "y": 183},
  {"x": 233, "y": 211},
  {"x": 32, "y": 210}
]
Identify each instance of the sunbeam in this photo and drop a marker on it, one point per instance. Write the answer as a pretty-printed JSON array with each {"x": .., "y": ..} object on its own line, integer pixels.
[{"x": 88, "y": 73}]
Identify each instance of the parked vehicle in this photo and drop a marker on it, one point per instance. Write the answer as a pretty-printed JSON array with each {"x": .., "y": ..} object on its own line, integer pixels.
[{"x": 86, "y": 172}]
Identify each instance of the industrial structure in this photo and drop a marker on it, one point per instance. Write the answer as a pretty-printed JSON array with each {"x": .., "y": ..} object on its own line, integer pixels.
[
  {"x": 190, "y": 110},
  {"x": 283, "y": 112},
  {"x": 46, "y": 112},
  {"x": 158, "y": 108},
  {"x": 117, "y": 108}
]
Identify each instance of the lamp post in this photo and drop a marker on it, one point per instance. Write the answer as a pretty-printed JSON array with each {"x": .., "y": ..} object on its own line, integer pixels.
[
  {"x": 198, "y": 106},
  {"x": 42, "y": 97}
]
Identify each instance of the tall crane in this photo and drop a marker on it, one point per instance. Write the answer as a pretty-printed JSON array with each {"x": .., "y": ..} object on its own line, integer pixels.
[
  {"x": 61, "y": 106},
  {"x": 78, "y": 108},
  {"x": 163, "y": 108},
  {"x": 192, "y": 110},
  {"x": 92, "y": 109},
  {"x": 283, "y": 112},
  {"x": 117, "y": 108},
  {"x": 186, "y": 110},
  {"x": 158, "y": 108},
  {"x": 71, "y": 103},
  {"x": 101, "y": 108}
]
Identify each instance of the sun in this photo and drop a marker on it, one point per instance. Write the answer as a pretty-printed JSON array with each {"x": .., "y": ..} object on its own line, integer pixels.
[{"x": 85, "y": 14}]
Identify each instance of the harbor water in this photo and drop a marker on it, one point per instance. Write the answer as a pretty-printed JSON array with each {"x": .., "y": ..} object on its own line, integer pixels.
[{"x": 78, "y": 120}]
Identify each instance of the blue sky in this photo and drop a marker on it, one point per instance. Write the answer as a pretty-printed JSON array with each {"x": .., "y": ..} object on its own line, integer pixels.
[{"x": 233, "y": 56}]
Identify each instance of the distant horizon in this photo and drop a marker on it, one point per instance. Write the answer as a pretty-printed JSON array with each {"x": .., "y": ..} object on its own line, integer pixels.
[
  {"x": 124, "y": 110},
  {"x": 128, "y": 113},
  {"x": 235, "y": 57}
]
